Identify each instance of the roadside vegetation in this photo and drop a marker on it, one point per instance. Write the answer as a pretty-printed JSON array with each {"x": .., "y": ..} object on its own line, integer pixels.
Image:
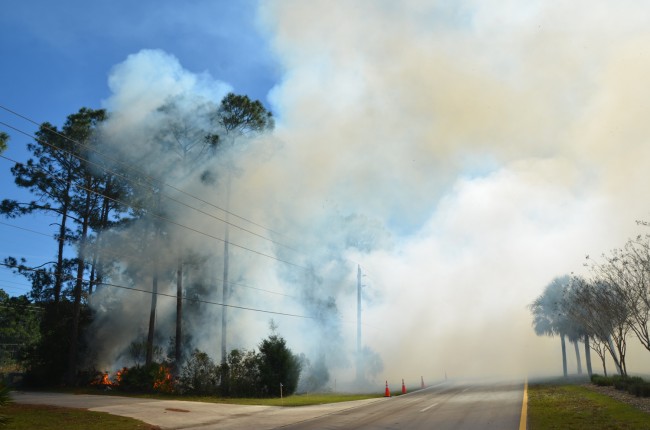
[
  {"x": 28, "y": 417},
  {"x": 553, "y": 406}
]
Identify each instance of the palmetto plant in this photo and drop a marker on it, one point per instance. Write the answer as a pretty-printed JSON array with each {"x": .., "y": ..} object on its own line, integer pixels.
[{"x": 4, "y": 400}]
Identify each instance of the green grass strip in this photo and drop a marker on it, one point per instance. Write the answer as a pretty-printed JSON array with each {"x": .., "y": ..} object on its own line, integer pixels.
[
  {"x": 42, "y": 417},
  {"x": 575, "y": 407}
]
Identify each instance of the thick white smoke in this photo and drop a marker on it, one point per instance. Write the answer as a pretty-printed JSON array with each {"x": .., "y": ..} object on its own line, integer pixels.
[{"x": 464, "y": 155}]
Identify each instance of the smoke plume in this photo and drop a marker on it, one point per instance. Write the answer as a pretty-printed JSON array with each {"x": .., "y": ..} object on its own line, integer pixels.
[{"x": 464, "y": 155}]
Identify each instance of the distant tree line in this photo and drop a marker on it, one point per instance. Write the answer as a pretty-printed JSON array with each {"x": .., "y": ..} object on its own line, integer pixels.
[{"x": 602, "y": 311}]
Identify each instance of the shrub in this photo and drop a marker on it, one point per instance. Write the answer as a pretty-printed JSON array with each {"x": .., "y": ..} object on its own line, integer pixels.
[
  {"x": 243, "y": 370},
  {"x": 278, "y": 366},
  {"x": 602, "y": 381},
  {"x": 141, "y": 378},
  {"x": 199, "y": 375},
  {"x": 4, "y": 400},
  {"x": 622, "y": 382},
  {"x": 639, "y": 389}
]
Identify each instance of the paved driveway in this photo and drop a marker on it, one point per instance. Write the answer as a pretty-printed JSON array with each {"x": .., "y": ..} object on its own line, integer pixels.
[{"x": 177, "y": 414}]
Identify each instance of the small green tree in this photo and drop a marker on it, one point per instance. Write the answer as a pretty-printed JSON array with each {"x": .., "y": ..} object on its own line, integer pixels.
[
  {"x": 19, "y": 329},
  {"x": 278, "y": 365},
  {"x": 4, "y": 400},
  {"x": 243, "y": 373},
  {"x": 199, "y": 374}
]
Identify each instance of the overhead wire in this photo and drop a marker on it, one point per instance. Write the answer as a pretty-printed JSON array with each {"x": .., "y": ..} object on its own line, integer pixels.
[
  {"x": 132, "y": 168},
  {"x": 186, "y": 299},
  {"x": 151, "y": 183},
  {"x": 114, "y": 255},
  {"x": 170, "y": 221}
]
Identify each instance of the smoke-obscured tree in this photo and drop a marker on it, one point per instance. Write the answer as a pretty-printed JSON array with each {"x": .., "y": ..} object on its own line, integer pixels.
[
  {"x": 199, "y": 374},
  {"x": 66, "y": 183},
  {"x": 314, "y": 376},
  {"x": 243, "y": 373},
  {"x": 236, "y": 118},
  {"x": 549, "y": 316},
  {"x": 372, "y": 363},
  {"x": 627, "y": 271},
  {"x": 602, "y": 311},
  {"x": 278, "y": 365}
]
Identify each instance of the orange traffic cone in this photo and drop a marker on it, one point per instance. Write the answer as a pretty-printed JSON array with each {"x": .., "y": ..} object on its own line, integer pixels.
[
  {"x": 403, "y": 387},
  {"x": 422, "y": 378},
  {"x": 387, "y": 393}
]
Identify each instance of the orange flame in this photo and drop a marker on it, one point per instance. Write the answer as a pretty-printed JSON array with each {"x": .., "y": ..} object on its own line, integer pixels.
[
  {"x": 104, "y": 380},
  {"x": 163, "y": 381}
]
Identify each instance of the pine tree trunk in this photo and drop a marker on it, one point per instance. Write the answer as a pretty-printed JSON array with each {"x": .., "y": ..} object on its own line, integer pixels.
[
  {"x": 154, "y": 286},
  {"x": 76, "y": 310},
  {"x": 179, "y": 314},
  {"x": 152, "y": 313}
]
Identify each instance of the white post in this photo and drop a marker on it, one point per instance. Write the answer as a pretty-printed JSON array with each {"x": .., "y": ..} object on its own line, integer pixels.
[{"x": 281, "y": 399}]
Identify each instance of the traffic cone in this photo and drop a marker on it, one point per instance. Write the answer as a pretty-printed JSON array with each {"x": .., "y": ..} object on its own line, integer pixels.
[
  {"x": 422, "y": 378},
  {"x": 403, "y": 387},
  {"x": 387, "y": 392}
]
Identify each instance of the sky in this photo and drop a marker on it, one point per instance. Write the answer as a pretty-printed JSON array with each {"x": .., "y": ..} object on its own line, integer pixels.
[{"x": 463, "y": 153}]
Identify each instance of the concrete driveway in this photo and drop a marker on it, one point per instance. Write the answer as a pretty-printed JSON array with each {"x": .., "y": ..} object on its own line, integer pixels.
[{"x": 177, "y": 414}]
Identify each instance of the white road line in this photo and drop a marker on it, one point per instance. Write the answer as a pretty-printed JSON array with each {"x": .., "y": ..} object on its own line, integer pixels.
[{"x": 428, "y": 407}]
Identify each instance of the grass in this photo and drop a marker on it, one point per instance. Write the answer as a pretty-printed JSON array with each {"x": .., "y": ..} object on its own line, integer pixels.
[
  {"x": 293, "y": 400},
  {"x": 552, "y": 406},
  {"x": 29, "y": 417}
]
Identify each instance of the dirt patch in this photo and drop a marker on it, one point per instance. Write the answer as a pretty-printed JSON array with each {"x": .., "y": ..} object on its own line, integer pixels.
[{"x": 176, "y": 410}]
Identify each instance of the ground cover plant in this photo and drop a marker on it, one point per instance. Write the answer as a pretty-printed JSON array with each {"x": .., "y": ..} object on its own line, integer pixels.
[
  {"x": 552, "y": 406},
  {"x": 28, "y": 417}
]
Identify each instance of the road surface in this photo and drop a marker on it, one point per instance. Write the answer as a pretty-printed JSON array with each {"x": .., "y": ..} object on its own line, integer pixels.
[
  {"x": 443, "y": 406},
  {"x": 446, "y": 406}
]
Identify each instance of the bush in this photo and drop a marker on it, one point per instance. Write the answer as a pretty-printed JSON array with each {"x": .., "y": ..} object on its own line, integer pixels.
[
  {"x": 199, "y": 375},
  {"x": 146, "y": 379},
  {"x": 602, "y": 381},
  {"x": 4, "y": 400},
  {"x": 243, "y": 373},
  {"x": 639, "y": 389},
  {"x": 622, "y": 382},
  {"x": 278, "y": 366}
]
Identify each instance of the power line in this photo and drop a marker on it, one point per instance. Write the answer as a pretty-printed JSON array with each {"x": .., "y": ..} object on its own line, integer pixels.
[
  {"x": 187, "y": 299},
  {"x": 26, "y": 229},
  {"x": 191, "y": 300},
  {"x": 132, "y": 168},
  {"x": 162, "y": 218},
  {"x": 115, "y": 255},
  {"x": 135, "y": 183}
]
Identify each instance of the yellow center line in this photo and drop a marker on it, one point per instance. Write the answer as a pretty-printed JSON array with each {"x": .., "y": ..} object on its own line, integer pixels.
[{"x": 524, "y": 408}]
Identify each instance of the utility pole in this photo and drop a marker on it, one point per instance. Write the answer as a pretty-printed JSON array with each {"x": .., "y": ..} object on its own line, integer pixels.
[{"x": 359, "y": 372}]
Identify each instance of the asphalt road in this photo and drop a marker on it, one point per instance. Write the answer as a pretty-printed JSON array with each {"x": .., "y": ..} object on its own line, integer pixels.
[{"x": 444, "y": 406}]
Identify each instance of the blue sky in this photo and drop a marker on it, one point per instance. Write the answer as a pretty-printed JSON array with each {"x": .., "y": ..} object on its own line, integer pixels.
[{"x": 57, "y": 56}]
